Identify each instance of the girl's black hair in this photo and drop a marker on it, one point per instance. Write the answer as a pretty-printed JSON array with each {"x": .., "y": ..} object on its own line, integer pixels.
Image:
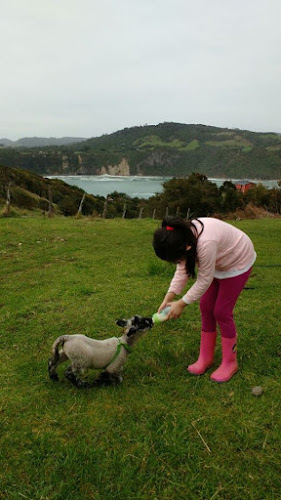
[{"x": 170, "y": 242}]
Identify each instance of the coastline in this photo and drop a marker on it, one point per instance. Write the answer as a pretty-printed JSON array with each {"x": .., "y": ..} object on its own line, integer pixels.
[{"x": 156, "y": 177}]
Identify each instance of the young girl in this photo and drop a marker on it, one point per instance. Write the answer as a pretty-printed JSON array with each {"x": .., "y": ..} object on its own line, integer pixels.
[{"x": 224, "y": 256}]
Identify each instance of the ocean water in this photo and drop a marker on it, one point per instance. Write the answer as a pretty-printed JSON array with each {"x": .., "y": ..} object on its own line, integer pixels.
[
  {"x": 133, "y": 186},
  {"x": 102, "y": 185}
]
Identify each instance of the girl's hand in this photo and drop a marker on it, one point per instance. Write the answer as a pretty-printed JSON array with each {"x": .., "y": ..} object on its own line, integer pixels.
[
  {"x": 176, "y": 309},
  {"x": 163, "y": 305},
  {"x": 167, "y": 299}
]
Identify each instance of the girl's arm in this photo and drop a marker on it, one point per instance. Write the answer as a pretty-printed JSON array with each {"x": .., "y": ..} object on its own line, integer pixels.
[
  {"x": 207, "y": 256},
  {"x": 176, "y": 286},
  {"x": 179, "y": 280}
]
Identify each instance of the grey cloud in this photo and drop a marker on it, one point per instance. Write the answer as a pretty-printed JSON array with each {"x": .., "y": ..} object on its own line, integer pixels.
[{"x": 88, "y": 67}]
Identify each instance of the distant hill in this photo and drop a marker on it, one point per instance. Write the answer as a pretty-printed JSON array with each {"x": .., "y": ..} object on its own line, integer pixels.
[
  {"x": 34, "y": 142},
  {"x": 167, "y": 149}
]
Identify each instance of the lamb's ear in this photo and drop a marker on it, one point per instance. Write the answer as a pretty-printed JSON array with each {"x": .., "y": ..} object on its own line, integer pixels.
[
  {"x": 132, "y": 331},
  {"x": 121, "y": 322}
]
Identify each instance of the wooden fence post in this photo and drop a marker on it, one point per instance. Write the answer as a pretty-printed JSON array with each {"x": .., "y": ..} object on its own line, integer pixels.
[
  {"x": 51, "y": 208},
  {"x": 8, "y": 201},
  {"x": 7, "y": 210},
  {"x": 81, "y": 204},
  {"x": 140, "y": 214},
  {"x": 124, "y": 211},
  {"x": 154, "y": 213},
  {"x": 104, "y": 209}
]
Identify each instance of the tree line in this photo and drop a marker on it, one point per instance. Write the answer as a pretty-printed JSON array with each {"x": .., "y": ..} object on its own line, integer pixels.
[
  {"x": 192, "y": 196},
  {"x": 196, "y": 196}
]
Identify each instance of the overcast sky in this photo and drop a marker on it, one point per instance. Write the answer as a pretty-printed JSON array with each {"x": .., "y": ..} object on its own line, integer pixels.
[{"x": 88, "y": 67}]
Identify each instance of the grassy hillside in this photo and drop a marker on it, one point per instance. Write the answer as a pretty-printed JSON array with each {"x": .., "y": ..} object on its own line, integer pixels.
[
  {"x": 171, "y": 149},
  {"x": 162, "y": 434},
  {"x": 31, "y": 192}
]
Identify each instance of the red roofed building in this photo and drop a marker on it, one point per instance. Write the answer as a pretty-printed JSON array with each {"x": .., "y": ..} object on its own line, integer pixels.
[{"x": 244, "y": 185}]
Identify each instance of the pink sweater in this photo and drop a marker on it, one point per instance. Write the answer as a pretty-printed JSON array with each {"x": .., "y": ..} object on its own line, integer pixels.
[{"x": 223, "y": 251}]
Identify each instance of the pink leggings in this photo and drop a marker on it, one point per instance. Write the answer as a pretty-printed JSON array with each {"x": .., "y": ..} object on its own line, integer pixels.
[{"x": 218, "y": 302}]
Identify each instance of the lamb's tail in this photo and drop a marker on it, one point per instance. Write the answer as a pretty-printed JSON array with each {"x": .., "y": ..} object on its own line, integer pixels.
[
  {"x": 55, "y": 347},
  {"x": 53, "y": 361}
]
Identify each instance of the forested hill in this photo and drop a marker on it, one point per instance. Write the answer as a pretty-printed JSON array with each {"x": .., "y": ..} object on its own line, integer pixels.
[
  {"x": 34, "y": 142},
  {"x": 167, "y": 149}
]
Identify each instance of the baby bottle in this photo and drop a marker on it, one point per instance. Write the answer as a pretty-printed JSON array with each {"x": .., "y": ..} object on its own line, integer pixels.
[{"x": 162, "y": 316}]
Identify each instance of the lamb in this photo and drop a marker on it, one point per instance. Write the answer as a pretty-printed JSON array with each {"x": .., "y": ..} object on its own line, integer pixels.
[{"x": 108, "y": 355}]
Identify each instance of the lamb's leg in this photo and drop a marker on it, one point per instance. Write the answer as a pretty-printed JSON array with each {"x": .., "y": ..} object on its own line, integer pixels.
[
  {"x": 106, "y": 378},
  {"x": 71, "y": 374},
  {"x": 53, "y": 364}
]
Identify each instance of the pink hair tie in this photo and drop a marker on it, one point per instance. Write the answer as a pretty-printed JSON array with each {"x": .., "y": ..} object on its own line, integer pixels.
[{"x": 170, "y": 228}]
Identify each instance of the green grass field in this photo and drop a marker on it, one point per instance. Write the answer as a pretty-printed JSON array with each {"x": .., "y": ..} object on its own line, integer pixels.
[{"x": 162, "y": 434}]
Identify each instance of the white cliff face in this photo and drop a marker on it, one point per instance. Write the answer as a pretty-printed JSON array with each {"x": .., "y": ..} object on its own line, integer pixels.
[{"x": 121, "y": 169}]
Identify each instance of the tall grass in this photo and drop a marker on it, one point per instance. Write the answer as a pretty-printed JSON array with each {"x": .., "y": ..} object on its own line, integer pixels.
[{"x": 162, "y": 434}]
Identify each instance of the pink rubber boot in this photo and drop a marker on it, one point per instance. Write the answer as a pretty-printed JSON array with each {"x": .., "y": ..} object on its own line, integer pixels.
[
  {"x": 229, "y": 361},
  {"x": 206, "y": 355}
]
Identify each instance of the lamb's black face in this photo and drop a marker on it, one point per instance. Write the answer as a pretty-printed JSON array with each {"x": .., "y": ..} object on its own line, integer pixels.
[
  {"x": 135, "y": 325},
  {"x": 141, "y": 323}
]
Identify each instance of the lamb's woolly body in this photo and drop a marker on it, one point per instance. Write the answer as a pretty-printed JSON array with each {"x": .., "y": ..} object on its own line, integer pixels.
[
  {"x": 91, "y": 353},
  {"x": 85, "y": 352}
]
